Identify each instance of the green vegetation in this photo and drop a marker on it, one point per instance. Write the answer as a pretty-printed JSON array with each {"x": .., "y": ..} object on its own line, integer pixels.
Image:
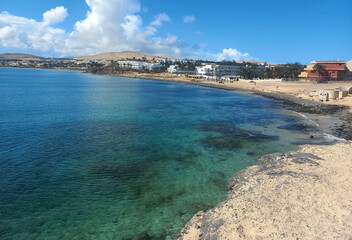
[
  {"x": 95, "y": 67},
  {"x": 289, "y": 71}
]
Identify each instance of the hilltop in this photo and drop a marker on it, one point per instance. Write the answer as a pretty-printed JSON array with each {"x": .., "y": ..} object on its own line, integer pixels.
[
  {"x": 19, "y": 56},
  {"x": 123, "y": 55}
]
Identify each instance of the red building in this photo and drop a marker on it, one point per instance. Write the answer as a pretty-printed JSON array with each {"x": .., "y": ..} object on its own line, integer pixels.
[{"x": 334, "y": 70}]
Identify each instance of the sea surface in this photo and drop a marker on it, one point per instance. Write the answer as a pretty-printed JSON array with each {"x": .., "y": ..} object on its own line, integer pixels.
[{"x": 100, "y": 157}]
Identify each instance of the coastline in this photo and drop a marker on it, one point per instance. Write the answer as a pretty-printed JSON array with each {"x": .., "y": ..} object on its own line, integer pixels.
[
  {"x": 332, "y": 119},
  {"x": 255, "y": 208},
  {"x": 278, "y": 174},
  {"x": 303, "y": 194},
  {"x": 286, "y": 195}
]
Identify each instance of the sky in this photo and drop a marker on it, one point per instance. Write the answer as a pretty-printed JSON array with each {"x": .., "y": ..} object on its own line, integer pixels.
[{"x": 274, "y": 30}]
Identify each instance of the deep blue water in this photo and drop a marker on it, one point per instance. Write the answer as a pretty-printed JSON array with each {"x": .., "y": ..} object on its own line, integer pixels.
[{"x": 98, "y": 157}]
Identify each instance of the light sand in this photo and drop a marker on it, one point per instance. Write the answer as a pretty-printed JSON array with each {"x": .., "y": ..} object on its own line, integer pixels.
[{"x": 290, "y": 196}]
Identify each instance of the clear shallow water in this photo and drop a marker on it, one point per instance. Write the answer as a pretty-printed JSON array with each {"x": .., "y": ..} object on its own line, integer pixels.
[{"x": 98, "y": 157}]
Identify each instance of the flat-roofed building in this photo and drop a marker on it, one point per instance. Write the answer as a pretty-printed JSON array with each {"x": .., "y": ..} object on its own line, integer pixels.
[
  {"x": 333, "y": 71},
  {"x": 218, "y": 70},
  {"x": 140, "y": 66}
]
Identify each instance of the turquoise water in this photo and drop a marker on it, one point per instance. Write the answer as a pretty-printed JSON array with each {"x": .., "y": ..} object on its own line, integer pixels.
[{"x": 99, "y": 157}]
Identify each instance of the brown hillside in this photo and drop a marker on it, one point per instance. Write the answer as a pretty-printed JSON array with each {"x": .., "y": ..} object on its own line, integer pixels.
[
  {"x": 122, "y": 56},
  {"x": 19, "y": 56}
]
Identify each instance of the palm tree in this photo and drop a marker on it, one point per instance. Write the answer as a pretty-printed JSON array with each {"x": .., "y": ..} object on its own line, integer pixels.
[
  {"x": 295, "y": 69},
  {"x": 319, "y": 68}
]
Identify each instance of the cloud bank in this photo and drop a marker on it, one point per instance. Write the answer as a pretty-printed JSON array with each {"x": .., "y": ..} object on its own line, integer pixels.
[{"x": 109, "y": 26}]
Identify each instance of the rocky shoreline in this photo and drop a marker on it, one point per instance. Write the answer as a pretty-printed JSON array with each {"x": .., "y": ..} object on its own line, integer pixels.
[
  {"x": 296, "y": 195},
  {"x": 249, "y": 214},
  {"x": 285, "y": 170},
  {"x": 314, "y": 110},
  {"x": 286, "y": 195}
]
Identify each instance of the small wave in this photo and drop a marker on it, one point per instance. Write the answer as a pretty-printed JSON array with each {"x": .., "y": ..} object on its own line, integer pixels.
[
  {"x": 332, "y": 138},
  {"x": 310, "y": 120}
]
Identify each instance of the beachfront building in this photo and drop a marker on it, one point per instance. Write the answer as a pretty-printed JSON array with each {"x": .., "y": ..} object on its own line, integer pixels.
[
  {"x": 218, "y": 70},
  {"x": 140, "y": 66},
  {"x": 175, "y": 69},
  {"x": 227, "y": 70},
  {"x": 333, "y": 70},
  {"x": 206, "y": 70}
]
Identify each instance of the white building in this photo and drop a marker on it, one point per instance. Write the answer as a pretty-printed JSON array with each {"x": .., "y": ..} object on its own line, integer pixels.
[
  {"x": 173, "y": 69},
  {"x": 207, "y": 70},
  {"x": 218, "y": 70},
  {"x": 140, "y": 66},
  {"x": 227, "y": 70}
]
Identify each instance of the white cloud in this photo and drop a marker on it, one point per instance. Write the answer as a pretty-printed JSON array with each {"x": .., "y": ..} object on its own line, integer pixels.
[
  {"x": 109, "y": 26},
  {"x": 189, "y": 19},
  {"x": 55, "y": 15},
  {"x": 131, "y": 25},
  {"x": 159, "y": 19},
  {"x": 231, "y": 54},
  {"x": 9, "y": 37},
  {"x": 24, "y": 33}
]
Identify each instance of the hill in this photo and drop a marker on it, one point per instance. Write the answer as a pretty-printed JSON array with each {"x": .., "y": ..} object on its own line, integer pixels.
[
  {"x": 122, "y": 56},
  {"x": 19, "y": 56}
]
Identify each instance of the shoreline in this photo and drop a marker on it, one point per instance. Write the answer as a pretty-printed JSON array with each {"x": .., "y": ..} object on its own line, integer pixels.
[
  {"x": 255, "y": 210},
  {"x": 258, "y": 196},
  {"x": 304, "y": 194},
  {"x": 339, "y": 116}
]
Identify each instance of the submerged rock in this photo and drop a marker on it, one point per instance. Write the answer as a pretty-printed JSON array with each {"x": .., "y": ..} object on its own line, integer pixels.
[
  {"x": 232, "y": 137},
  {"x": 296, "y": 126},
  {"x": 222, "y": 142}
]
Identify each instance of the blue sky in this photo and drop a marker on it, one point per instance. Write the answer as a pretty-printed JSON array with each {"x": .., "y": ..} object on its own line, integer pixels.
[{"x": 274, "y": 31}]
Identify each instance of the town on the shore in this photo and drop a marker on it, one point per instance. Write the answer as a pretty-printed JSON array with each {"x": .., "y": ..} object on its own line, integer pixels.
[{"x": 221, "y": 71}]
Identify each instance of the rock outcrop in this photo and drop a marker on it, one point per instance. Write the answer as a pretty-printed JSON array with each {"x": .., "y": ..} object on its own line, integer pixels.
[{"x": 297, "y": 195}]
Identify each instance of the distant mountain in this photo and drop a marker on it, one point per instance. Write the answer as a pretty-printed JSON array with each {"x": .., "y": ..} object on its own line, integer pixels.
[
  {"x": 19, "y": 56},
  {"x": 123, "y": 55}
]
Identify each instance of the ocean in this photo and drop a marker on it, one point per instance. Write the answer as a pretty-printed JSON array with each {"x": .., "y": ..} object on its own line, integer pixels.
[{"x": 87, "y": 156}]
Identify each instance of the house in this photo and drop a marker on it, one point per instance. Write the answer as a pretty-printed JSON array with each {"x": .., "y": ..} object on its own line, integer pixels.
[{"x": 333, "y": 71}]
